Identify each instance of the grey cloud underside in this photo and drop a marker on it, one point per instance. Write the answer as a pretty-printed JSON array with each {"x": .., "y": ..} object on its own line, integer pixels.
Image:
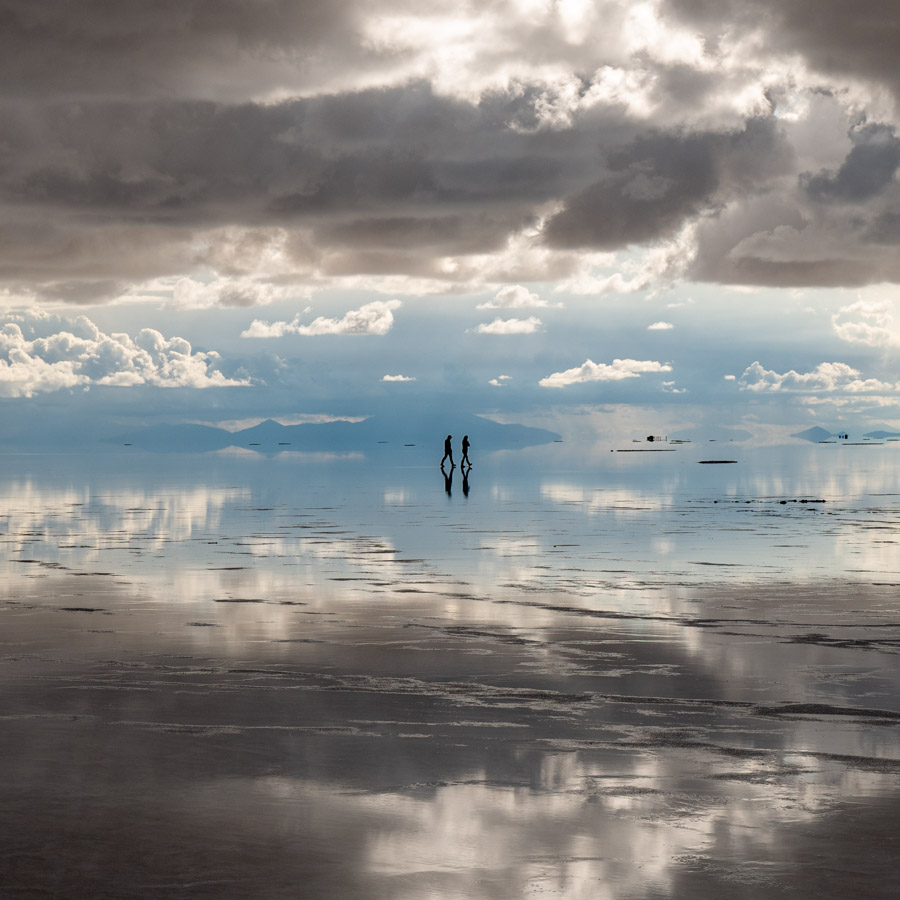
[
  {"x": 836, "y": 37},
  {"x": 451, "y": 234},
  {"x": 237, "y": 48},
  {"x": 180, "y": 47},
  {"x": 375, "y": 178},
  {"x": 363, "y": 182},
  {"x": 867, "y": 171},
  {"x": 227, "y": 49},
  {"x": 391, "y": 181},
  {"x": 838, "y": 226},
  {"x": 653, "y": 185},
  {"x": 112, "y": 171},
  {"x": 379, "y": 151}
]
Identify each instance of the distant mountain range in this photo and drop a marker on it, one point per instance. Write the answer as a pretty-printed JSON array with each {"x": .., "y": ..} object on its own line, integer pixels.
[
  {"x": 814, "y": 434},
  {"x": 881, "y": 435},
  {"x": 377, "y": 433},
  {"x": 817, "y": 434}
]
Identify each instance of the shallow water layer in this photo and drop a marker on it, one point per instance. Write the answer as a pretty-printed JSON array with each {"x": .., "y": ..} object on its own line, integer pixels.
[{"x": 605, "y": 675}]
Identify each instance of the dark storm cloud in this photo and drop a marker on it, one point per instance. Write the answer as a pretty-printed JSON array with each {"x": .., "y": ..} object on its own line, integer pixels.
[
  {"x": 168, "y": 160},
  {"x": 244, "y": 49},
  {"x": 167, "y": 47},
  {"x": 831, "y": 228},
  {"x": 868, "y": 169},
  {"x": 84, "y": 292},
  {"x": 657, "y": 182},
  {"x": 189, "y": 161},
  {"x": 33, "y": 248},
  {"x": 857, "y": 38},
  {"x": 778, "y": 242},
  {"x": 449, "y": 234},
  {"x": 106, "y": 188},
  {"x": 812, "y": 239},
  {"x": 885, "y": 229},
  {"x": 151, "y": 139}
]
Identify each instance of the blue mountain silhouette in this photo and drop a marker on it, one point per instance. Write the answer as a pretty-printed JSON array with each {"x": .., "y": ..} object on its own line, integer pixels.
[{"x": 385, "y": 433}]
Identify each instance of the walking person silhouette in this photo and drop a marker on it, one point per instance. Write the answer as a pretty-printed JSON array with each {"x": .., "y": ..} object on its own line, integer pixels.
[
  {"x": 448, "y": 452},
  {"x": 465, "y": 451}
]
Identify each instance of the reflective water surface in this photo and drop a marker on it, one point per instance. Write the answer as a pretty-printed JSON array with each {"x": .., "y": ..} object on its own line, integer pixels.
[{"x": 578, "y": 675}]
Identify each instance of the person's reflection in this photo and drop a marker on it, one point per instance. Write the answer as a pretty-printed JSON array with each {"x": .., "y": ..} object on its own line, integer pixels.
[
  {"x": 465, "y": 475},
  {"x": 448, "y": 479}
]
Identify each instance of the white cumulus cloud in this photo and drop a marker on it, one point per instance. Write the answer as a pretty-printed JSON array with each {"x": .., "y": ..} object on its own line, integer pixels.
[
  {"x": 866, "y": 322},
  {"x": 397, "y": 378},
  {"x": 510, "y": 326},
  {"x": 514, "y": 296},
  {"x": 78, "y": 354},
  {"x": 826, "y": 377},
  {"x": 500, "y": 380},
  {"x": 618, "y": 370},
  {"x": 660, "y": 326},
  {"x": 376, "y": 317}
]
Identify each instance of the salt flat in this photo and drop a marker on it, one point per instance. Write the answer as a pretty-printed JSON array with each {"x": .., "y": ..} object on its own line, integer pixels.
[{"x": 585, "y": 675}]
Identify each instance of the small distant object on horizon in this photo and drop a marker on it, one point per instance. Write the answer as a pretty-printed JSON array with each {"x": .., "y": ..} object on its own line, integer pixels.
[
  {"x": 703, "y": 433},
  {"x": 715, "y": 462}
]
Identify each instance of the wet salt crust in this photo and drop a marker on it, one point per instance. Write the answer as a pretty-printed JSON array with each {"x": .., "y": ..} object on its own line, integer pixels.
[{"x": 629, "y": 676}]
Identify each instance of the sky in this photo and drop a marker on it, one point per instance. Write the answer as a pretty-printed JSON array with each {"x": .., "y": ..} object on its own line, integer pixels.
[{"x": 592, "y": 216}]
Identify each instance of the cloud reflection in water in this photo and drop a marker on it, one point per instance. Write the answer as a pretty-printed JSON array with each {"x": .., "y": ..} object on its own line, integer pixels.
[{"x": 306, "y": 680}]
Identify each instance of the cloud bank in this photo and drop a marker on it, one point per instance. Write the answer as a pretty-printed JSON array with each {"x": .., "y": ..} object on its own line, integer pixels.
[
  {"x": 376, "y": 317},
  {"x": 81, "y": 355},
  {"x": 825, "y": 378},
  {"x": 870, "y": 323},
  {"x": 445, "y": 146},
  {"x": 618, "y": 370}
]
